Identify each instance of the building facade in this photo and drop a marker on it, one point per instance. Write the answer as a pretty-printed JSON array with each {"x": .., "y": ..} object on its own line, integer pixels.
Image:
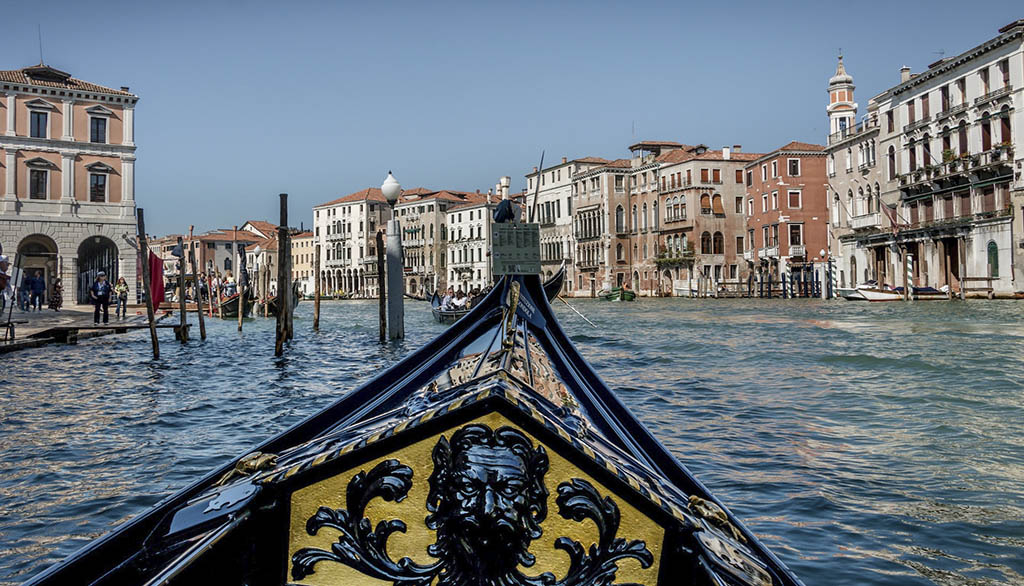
[
  {"x": 67, "y": 167},
  {"x": 345, "y": 229},
  {"x": 469, "y": 244},
  {"x": 787, "y": 210},
  {"x": 601, "y": 243},
  {"x": 302, "y": 261},
  {"x": 951, "y": 196},
  {"x": 424, "y": 222}
]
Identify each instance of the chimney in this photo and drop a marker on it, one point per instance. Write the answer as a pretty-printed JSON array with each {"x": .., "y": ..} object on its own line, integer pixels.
[
  {"x": 725, "y": 153},
  {"x": 535, "y": 169},
  {"x": 904, "y": 74},
  {"x": 736, "y": 148},
  {"x": 478, "y": 192},
  {"x": 564, "y": 160},
  {"x": 506, "y": 181}
]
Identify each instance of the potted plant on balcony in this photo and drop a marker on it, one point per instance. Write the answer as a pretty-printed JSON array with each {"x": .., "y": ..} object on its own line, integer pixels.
[{"x": 948, "y": 155}]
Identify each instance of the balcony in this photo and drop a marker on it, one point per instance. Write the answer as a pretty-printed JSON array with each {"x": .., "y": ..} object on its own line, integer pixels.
[
  {"x": 965, "y": 165},
  {"x": 770, "y": 252},
  {"x": 865, "y": 221},
  {"x": 797, "y": 250},
  {"x": 748, "y": 255},
  {"x": 948, "y": 112},
  {"x": 924, "y": 121},
  {"x": 842, "y": 135},
  {"x": 336, "y": 236},
  {"x": 335, "y": 263},
  {"x": 993, "y": 95}
]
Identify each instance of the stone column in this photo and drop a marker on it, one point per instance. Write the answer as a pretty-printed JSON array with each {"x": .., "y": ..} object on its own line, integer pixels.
[
  {"x": 67, "y": 192},
  {"x": 127, "y": 186},
  {"x": 128, "y": 125},
  {"x": 10, "y": 196},
  {"x": 68, "y": 117},
  {"x": 10, "y": 115}
]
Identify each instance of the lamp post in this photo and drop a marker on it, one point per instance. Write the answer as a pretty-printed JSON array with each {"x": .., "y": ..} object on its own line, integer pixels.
[{"x": 396, "y": 304}]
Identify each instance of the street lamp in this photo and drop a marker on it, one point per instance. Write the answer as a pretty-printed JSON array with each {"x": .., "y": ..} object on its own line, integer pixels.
[{"x": 396, "y": 304}]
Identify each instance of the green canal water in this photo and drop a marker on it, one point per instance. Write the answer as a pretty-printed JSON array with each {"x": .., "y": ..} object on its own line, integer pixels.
[{"x": 865, "y": 443}]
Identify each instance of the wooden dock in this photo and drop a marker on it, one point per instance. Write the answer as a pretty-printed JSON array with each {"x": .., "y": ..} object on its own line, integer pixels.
[{"x": 34, "y": 329}]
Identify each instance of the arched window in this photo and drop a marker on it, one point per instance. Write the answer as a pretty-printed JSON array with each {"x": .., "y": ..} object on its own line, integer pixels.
[
  {"x": 705, "y": 243},
  {"x": 618, "y": 251},
  {"x": 444, "y": 233},
  {"x": 961, "y": 137},
  {"x": 654, "y": 214},
  {"x": 912, "y": 148},
  {"x": 947, "y": 144},
  {"x": 878, "y": 198},
  {"x": 635, "y": 257},
  {"x": 1004, "y": 125},
  {"x": 633, "y": 222},
  {"x": 718, "y": 243},
  {"x": 716, "y": 205},
  {"x": 620, "y": 220},
  {"x": 675, "y": 208},
  {"x": 858, "y": 206},
  {"x": 644, "y": 218},
  {"x": 835, "y": 210},
  {"x": 227, "y": 264},
  {"x": 993, "y": 259},
  {"x": 986, "y": 132},
  {"x": 926, "y": 151},
  {"x": 705, "y": 203},
  {"x": 870, "y": 201},
  {"x": 892, "y": 163}
]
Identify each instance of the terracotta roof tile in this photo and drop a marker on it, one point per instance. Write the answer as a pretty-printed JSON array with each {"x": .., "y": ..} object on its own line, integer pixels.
[
  {"x": 368, "y": 194},
  {"x": 55, "y": 79},
  {"x": 801, "y": 146},
  {"x": 265, "y": 244},
  {"x": 591, "y": 160}
]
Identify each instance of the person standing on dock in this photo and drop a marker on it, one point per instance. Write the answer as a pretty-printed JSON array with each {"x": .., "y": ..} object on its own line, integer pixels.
[
  {"x": 6, "y": 287},
  {"x": 100, "y": 295},
  {"x": 57, "y": 295},
  {"x": 121, "y": 298},
  {"x": 36, "y": 290}
]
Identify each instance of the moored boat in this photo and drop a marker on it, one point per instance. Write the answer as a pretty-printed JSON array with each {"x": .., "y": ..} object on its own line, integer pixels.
[
  {"x": 229, "y": 306},
  {"x": 486, "y": 457},
  {"x": 448, "y": 315},
  {"x": 872, "y": 292}
]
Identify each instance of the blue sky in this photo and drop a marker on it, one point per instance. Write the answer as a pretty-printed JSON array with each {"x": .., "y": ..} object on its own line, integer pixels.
[{"x": 241, "y": 101}]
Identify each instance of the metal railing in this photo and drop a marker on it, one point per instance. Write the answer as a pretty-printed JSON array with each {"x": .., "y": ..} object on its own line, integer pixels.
[
  {"x": 994, "y": 94},
  {"x": 865, "y": 221}
]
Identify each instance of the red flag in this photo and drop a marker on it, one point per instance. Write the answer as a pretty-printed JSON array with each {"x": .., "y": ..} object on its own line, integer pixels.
[
  {"x": 891, "y": 214},
  {"x": 156, "y": 278}
]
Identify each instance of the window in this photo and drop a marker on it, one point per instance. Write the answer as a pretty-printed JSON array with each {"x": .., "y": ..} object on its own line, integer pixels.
[
  {"x": 993, "y": 259},
  {"x": 764, "y": 172},
  {"x": 913, "y": 156},
  {"x": 618, "y": 251},
  {"x": 986, "y": 132},
  {"x": 775, "y": 200},
  {"x": 717, "y": 207},
  {"x": 794, "y": 199},
  {"x": 739, "y": 175},
  {"x": 1004, "y": 125},
  {"x": 39, "y": 125},
  {"x": 924, "y": 107},
  {"x": 97, "y": 129},
  {"x": 750, "y": 207},
  {"x": 890, "y": 123},
  {"x": 1004, "y": 70},
  {"x": 775, "y": 169},
  {"x": 944, "y": 97},
  {"x": 718, "y": 243},
  {"x": 910, "y": 112},
  {"x": 794, "y": 167},
  {"x": 961, "y": 136},
  {"x": 705, "y": 203},
  {"x": 705, "y": 243},
  {"x": 739, "y": 205},
  {"x": 620, "y": 220},
  {"x": 764, "y": 202},
  {"x": 983, "y": 74},
  {"x": 619, "y": 188},
  {"x": 796, "y": 234},
  {"x": 716, "y": 175},
  {"x": 703, "y": 175},
  {"x": 961, "y": 90},
  {"x": 689, "y": 176},
  {"x": 750, "y": 178},
  {"x": 37, "y": 184},
  {"x": 97, "y": 187},
  {"x": 633, "y": 219}
]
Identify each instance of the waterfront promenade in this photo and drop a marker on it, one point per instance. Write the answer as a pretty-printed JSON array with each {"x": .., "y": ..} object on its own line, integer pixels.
[{"x": 865, "y": 443}]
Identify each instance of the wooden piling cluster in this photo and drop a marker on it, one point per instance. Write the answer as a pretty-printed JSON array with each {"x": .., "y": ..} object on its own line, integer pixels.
[
  {"x": 285, "y": 331},
  {"x": 147, "y": 282}
]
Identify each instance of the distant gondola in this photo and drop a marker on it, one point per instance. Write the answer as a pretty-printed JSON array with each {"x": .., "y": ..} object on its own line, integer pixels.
[
  {"x": 449, "y": 316},
  {"x": 492, "y": 455}
]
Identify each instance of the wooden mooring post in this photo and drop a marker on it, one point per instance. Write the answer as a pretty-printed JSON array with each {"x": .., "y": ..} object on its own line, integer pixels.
[
  {"x": 195, "y": 279},
  {"x": 238, "y": 278},
  {"x": 284, "y": 274},
  {"x": 381, "y": 288},
  {"x": 146, "y": 282},
  {"x": 316, "y": 289},
  {"x": 182, "y": 331}
]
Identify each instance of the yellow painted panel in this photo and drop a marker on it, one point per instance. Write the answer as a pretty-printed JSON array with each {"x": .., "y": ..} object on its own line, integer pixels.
[{"x": 413, "y": 544}]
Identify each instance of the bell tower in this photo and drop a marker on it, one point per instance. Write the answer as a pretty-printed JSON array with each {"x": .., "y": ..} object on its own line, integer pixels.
[{"x": 842, "y": 110}]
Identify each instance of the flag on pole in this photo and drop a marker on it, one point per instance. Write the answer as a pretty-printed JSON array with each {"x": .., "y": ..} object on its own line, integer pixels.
[{"x": 156, "y": 277}]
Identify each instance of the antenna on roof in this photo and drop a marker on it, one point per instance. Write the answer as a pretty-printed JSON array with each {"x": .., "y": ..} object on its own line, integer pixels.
[
  {"x": 536, "y": 190},
  {"x": 39, "y": 29}
]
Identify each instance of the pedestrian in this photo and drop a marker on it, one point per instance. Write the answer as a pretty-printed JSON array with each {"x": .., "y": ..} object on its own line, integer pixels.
[
  {"x": 121, "y": 298},
  {"x": 36, "y": 290},
  {"x": 23, "y": 291},
  {"x": 57, "y": 295},
  {"x": 100, "y": 295},
  {"x": 6, "y": 288}
]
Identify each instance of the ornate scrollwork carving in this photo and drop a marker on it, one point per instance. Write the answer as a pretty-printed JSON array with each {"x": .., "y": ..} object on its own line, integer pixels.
[{"x": 486, "y": 502}]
